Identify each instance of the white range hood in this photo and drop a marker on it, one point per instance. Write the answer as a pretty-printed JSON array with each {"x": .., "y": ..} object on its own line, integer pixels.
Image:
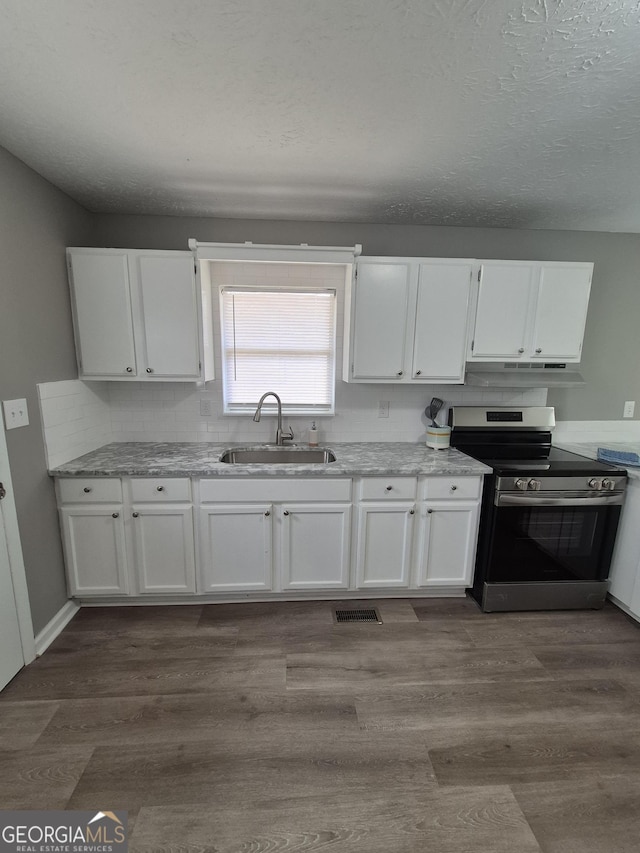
[{"x": 529, "y": 375}]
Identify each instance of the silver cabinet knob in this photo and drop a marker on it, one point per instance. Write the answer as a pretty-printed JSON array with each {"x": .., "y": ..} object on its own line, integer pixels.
[
  {"x": 538, "y": 350},
  {"x": 286, "y": 512},
  {"x": 267, "y": 513},
  {"x": 412, "y": 512},
  {"x": 86, "y": 489},
  {"x": 149, "y": 370},
  {"x": 160, "y": 489},
  {"x": 388, "y": 489},
  {"x": 129, "y": 369},
  {"x": 135, "y": 514},
  {"x": 400, "y": 372},
  {"x": 115, "y": 515},
  {"x": 521, "y": 349},
  {"x": 453, "y": 488},
  {"x": 429, "y": 511},
  {"x": 418, "y": 372}
]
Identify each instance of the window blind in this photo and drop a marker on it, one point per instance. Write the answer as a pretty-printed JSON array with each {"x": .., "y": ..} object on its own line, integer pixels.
[{"x": 282, "y": 340}]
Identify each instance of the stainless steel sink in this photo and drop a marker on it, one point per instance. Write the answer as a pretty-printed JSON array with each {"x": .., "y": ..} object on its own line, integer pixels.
[{"x": 274, "y": 455}]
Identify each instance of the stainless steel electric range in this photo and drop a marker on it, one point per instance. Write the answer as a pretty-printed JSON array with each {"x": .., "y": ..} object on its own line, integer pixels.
[{"x": 549, "y": 517}]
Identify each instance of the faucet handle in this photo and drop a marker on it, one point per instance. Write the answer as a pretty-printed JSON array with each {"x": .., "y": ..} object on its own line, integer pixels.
[{"x": 288, "y": 436}]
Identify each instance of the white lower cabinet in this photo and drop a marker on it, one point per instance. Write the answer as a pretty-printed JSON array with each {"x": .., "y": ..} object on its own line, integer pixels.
[
  {"x": 164, "y": 551},
  {"x": 275, "y": 534},
  {"x": 95, "y": 551},
  {"x": 446, "y": 547},
  {"x": 447, "y": 531},
  {"x": 315, "y": 544},
  {"x": 385, "y": 533},
  {"x": 267, "y": 535},
  {"x": 624, "y": 576},
  {"x": 236, "y": 547}
]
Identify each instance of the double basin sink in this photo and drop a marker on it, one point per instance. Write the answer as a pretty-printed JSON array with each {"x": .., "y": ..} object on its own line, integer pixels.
[{"x": 274, "y": 455}]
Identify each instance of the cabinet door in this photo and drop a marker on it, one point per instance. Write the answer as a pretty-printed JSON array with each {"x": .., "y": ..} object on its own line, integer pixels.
[
  {"x": 315, "y": 545},
  {"x": 561, "y": 311},
  {"x": 102, "y": 313},
  {"x": 169, "y": 315},
  {"x": 380, "y": 320},
  {"x": 384, "y": 544},
  {"x": 95, "y": 550},
  {"x": 235, "y": 547},
  {"x": 501, "y": 329},
  {"x": 439, "y": 349},
  {"x": 164, "y": 548},
  {"x": 447, "y": 543},
  {"x": 625, "y": 563}
]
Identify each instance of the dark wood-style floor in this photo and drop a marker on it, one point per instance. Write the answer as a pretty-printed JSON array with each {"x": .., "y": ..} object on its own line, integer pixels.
[{"x": 267, "y": 727}]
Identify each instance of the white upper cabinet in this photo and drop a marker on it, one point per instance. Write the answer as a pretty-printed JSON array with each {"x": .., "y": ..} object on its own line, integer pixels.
[
  {"x": 406, "y": 320},
  {"x": 440, "y": 337},
  {"x": 168, "y": 311},
  {"x": 561, "y": 311},
  {"x": 528, "y": 311},
  {"x": 380, "y": 320},
  {"x": 138, "y": 315},
  {"x": 102, "y": 313}
]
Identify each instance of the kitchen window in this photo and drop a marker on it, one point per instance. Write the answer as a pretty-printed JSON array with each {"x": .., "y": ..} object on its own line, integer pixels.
[{"x": 278, "y": 339}]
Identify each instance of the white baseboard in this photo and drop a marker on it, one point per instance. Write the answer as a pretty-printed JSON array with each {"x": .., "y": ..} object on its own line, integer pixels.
[{"x": 55, "y": 626}]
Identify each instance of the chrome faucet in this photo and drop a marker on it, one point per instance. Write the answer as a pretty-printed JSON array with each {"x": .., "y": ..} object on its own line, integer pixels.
[{"x": 281, "y": 436}]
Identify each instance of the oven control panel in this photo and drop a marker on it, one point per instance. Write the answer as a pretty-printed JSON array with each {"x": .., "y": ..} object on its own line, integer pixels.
[{"x": 578, "y": 484}]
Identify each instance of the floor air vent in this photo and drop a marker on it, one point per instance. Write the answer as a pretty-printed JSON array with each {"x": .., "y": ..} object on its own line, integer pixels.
[{"x": 369, "y": 614}]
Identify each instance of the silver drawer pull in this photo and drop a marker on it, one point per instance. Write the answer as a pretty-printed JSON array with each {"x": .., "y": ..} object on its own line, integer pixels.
[
  {"x": 86, "y": 489},
  {"x": 135, "y": 514},
  {"x": 160, "y": 489},
  {"x": 389, "y": 488},
  {"x": 115, "y": 515},
  {"x": 453, "y": 488}
]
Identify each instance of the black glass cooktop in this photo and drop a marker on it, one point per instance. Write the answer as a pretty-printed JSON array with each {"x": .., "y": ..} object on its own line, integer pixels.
[{"x": 560, "y": 463}]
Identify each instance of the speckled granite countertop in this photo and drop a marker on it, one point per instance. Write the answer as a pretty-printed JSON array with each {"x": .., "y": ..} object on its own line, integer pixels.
[
  {"x": 590, "y": 449},
  {"x": 176, "y": 459}
]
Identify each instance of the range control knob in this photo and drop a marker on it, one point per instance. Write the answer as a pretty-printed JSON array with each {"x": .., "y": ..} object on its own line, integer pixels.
[
  {"x": 595, "y": 484},
  {"x": 521, "y": 484},
  {"x": 608, "y": 484},
  {"x": 535, "y": 485}
]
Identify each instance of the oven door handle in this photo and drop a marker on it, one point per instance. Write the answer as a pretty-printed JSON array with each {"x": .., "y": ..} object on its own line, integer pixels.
[{"x": 526, "y": 500}]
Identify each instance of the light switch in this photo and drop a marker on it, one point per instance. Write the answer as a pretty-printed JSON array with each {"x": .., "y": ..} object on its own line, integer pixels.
[{"x": 15, "y": 413}]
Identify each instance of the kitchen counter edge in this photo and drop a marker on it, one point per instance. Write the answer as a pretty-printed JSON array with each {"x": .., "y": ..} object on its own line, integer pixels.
[{"x": 191, "y": 459}]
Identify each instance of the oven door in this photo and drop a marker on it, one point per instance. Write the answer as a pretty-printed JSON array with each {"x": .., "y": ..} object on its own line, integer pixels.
[{"x": 552, "y": 537}]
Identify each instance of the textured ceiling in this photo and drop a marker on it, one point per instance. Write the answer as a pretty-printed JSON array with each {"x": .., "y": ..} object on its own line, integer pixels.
[{"x": 466, "y": 112}]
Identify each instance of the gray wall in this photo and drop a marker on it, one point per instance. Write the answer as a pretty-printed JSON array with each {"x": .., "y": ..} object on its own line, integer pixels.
[
  {"x": 37, "y": 221},
  {"x": 611, "y": 354}
]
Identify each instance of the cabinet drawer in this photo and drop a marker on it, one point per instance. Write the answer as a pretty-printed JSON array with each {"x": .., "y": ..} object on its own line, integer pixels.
[
  {"x": 90, "y": 490},
  {"x": 439, "y": 488},
  {"x": 388, "y": 488},
  {"x": 152, "y": 489},
  {"x": 224, "y": 489}
]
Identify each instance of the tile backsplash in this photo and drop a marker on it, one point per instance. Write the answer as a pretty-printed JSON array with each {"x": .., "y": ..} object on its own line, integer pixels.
[
  {"x": 76, "y": 418},
  {"x": 81, "y": 416}
]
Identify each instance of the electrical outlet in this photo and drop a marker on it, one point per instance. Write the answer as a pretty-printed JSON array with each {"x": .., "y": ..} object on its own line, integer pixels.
[
  {"x": 206, "y": 407},
  {"x": 383, "y": 409},
  {"x": 15, "y": 413},
  {"x": 629, "y": 409}
]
